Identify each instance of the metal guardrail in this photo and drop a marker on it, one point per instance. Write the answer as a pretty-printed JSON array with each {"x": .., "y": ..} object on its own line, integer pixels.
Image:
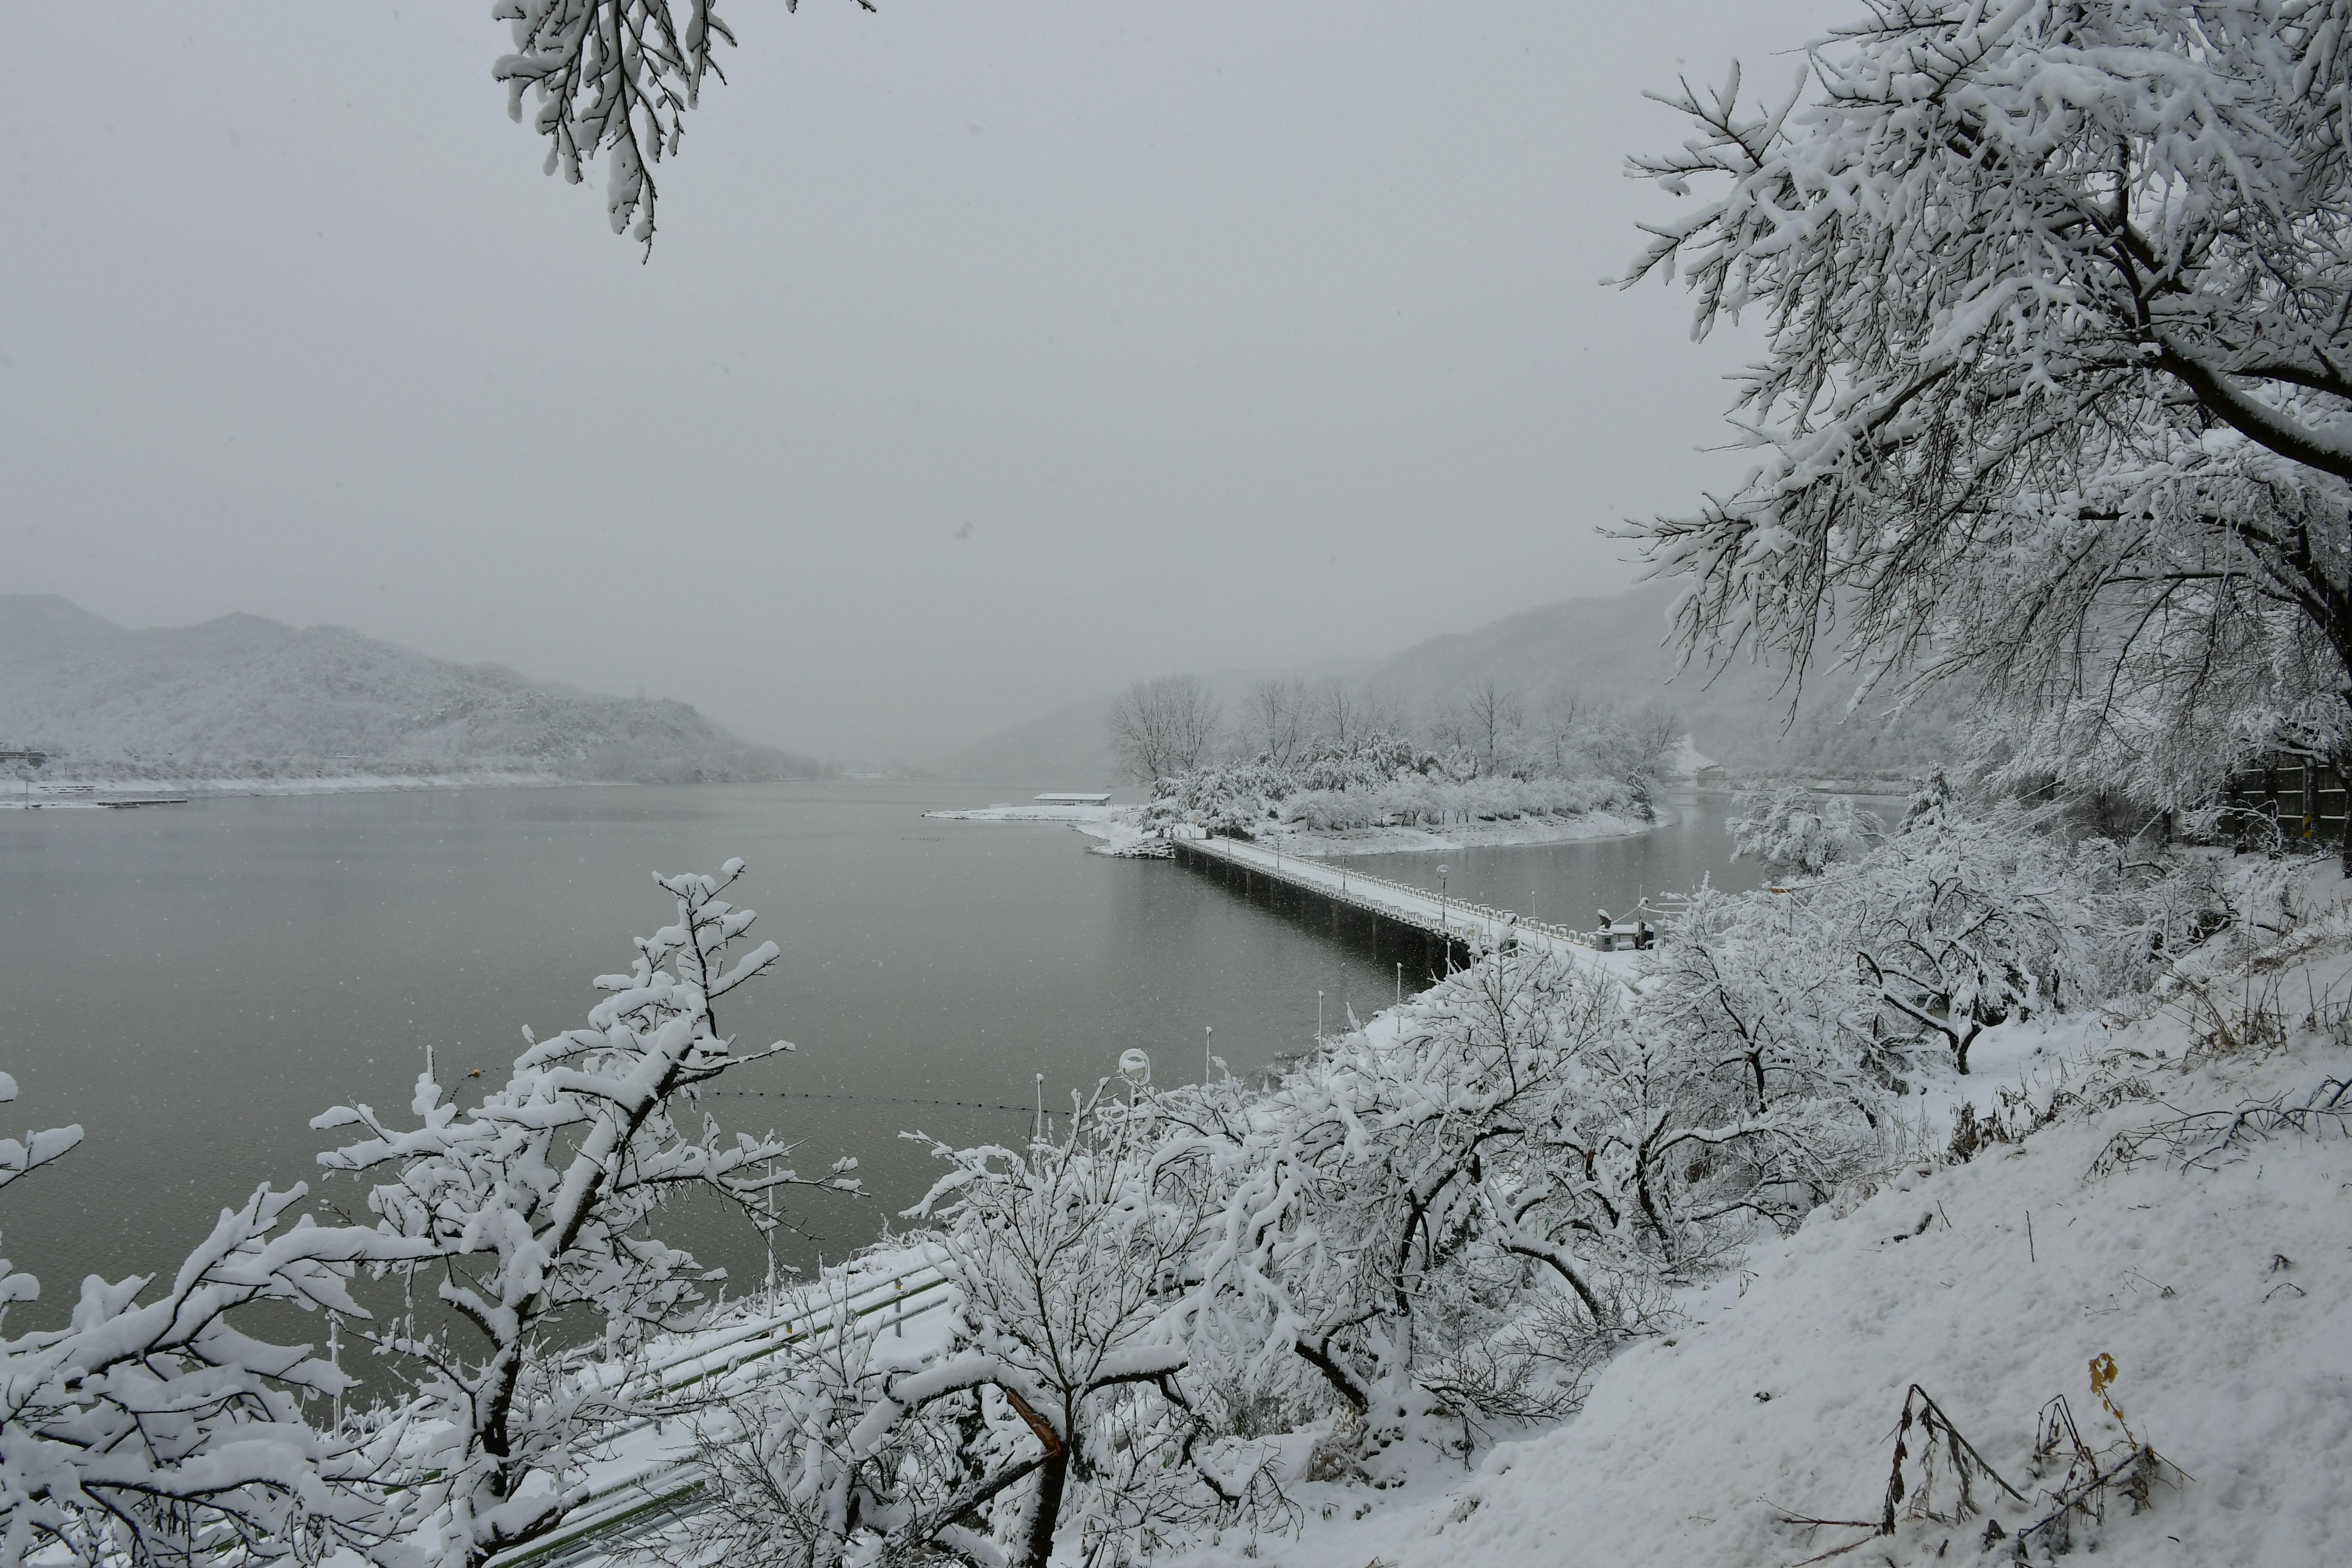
[
  {"x": 630, "y": 1505},
  {"x": 1231, "y": 853}
]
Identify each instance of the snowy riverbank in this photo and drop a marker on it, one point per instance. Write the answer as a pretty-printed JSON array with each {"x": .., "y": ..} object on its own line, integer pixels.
[
  {"x": 1094, "y": 816},
  {"x": 1119, "y": 832},
  {"x": 108, "y": 791},
  {"x": 1476, "y": 834}
]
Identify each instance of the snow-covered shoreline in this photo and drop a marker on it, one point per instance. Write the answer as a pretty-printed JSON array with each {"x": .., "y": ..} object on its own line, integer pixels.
[
  {"x": 1097, "y": 815},
  {"x": 1116, "y": 827},
  {"x": 55, "y": 794},
  {"x": 1311, "y": 843}
]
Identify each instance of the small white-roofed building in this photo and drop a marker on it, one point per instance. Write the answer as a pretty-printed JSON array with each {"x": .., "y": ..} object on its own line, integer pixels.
[{"x": 1074, "y": 797}]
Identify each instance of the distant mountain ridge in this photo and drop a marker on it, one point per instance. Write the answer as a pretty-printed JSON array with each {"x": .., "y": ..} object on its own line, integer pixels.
[
  {"x": 1611, "y": 647},
  {"x": 243, "y": 696}
]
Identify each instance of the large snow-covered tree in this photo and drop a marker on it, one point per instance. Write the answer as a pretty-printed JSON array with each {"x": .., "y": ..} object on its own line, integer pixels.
[
  {"x": 2056, "y": 386},
  {"x": 615, "y": 77}
]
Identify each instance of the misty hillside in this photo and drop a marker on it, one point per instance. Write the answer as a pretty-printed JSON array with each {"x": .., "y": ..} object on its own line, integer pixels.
[
  {"x": 1604, "y": 648},
  {"x": 242, "y": 695}
]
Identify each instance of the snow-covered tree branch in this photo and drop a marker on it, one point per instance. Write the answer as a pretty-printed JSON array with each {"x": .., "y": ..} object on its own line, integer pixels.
[
  {"x": 148, "y": 1428},
  {"x": 539, "y": 1202},
  {"x": 2058, "y": 312},
  {"x": 615, "y": 77}
]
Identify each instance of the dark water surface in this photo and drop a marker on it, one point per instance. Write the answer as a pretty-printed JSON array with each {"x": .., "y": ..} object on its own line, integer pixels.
[
  {"x": 193, "y": 984},
  {"x": 1569, "y": 884}
]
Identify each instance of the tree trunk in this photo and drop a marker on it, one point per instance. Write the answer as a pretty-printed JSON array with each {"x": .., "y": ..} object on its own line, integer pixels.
[
  {"x": 1051, "y": 1478},
  {"x": 2341, "y": 762}
]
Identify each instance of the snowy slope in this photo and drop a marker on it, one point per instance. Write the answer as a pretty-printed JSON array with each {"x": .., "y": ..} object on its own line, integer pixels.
[
  {"x": 2224, "y": 1297},
  {"x": 246, "y": 697}
]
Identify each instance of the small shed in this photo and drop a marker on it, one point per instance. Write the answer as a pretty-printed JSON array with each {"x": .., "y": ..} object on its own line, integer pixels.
[{"x": 1074, "y": 797}]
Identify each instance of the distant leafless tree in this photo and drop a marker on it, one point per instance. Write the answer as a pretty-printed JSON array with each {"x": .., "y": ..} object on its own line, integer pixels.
[
  {"x": 1496, "y": 712},
  {"x": 1339, "y": 713},
  {"x": 1278, "y": 719},
  {"x": 1650, "y": 734},
  {"x": 1483, "y": 721},
  {"x": 1563, "y": 726},
  {"x": 1165, "y": 727}
]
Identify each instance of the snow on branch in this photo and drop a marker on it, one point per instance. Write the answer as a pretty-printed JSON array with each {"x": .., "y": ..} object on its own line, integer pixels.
[
  {"x": 2057, "y": 387},
  {"x": 616, "y": 77},
  {"x": 540, "y": 1201},
  {"x": 148, "y": 1427}
]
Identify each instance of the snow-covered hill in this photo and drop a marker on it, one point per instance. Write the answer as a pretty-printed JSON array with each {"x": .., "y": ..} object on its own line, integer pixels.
[{"x": 242, "y": 697}]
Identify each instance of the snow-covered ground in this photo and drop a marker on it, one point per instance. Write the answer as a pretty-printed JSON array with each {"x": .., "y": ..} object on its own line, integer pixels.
[{"x": 2222, "y": 1296}]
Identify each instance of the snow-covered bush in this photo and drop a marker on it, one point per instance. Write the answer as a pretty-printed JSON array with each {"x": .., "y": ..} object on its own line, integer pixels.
[
  {"x": 1956, "y": 922},
  {"x": 796, "y": 1477},
  {"x": 1371, "y": 781},
  {"x": 1056, "y": 1413},
  {"x": 148, "y": 1427},
  {"x": 1791, "y": 830},
  {"x": 528, "y": 1217},
  {"x": 1062, "y": 1258},
  {"x": 1436, "y": 1232}
]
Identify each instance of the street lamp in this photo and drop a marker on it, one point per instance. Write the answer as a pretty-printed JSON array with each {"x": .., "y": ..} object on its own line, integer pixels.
[
  {"x": 1440, "y": 898},
  {"x": 1207, "y": 1030},
  {"x": 1318, "y": 1017}
]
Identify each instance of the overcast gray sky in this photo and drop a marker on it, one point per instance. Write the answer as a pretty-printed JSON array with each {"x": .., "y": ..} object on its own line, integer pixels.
[{"x": 1240, "y": 335}]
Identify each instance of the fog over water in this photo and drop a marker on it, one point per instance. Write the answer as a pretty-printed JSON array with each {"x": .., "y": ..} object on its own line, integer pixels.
[{"x": 990, "y": 355}]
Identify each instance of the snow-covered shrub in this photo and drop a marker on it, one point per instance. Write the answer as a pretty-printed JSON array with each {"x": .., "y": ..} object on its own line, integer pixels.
[
  {"x": 1956, "y": 922},
  {"x": 1373, "y": 781},
  {"x": 148, "y": 1427},
  {"x": 530, "y": 1217},
  {"x": 1063, "y": 1259},
  {"x": 1060, "y": 1414},
  {"x": 1790, "y": 829},
  {"x": 794, "y": 1477},
  {"x": 1438, "y": 1231}
]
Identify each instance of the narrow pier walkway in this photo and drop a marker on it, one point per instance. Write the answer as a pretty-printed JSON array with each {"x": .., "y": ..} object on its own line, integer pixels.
[{"x": 1463, "y": 929}]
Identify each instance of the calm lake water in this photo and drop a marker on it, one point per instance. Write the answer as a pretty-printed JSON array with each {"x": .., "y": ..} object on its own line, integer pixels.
[{"x": 193, "y": 984}]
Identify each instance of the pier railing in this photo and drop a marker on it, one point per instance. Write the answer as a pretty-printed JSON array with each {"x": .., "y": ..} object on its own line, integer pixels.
[
  {"x": 1505, "y": 921},
  {"x": 662, "y": 1484}
]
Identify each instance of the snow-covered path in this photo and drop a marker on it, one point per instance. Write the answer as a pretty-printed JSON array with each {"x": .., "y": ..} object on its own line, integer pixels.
[{"x": 1475, "y": 925}]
